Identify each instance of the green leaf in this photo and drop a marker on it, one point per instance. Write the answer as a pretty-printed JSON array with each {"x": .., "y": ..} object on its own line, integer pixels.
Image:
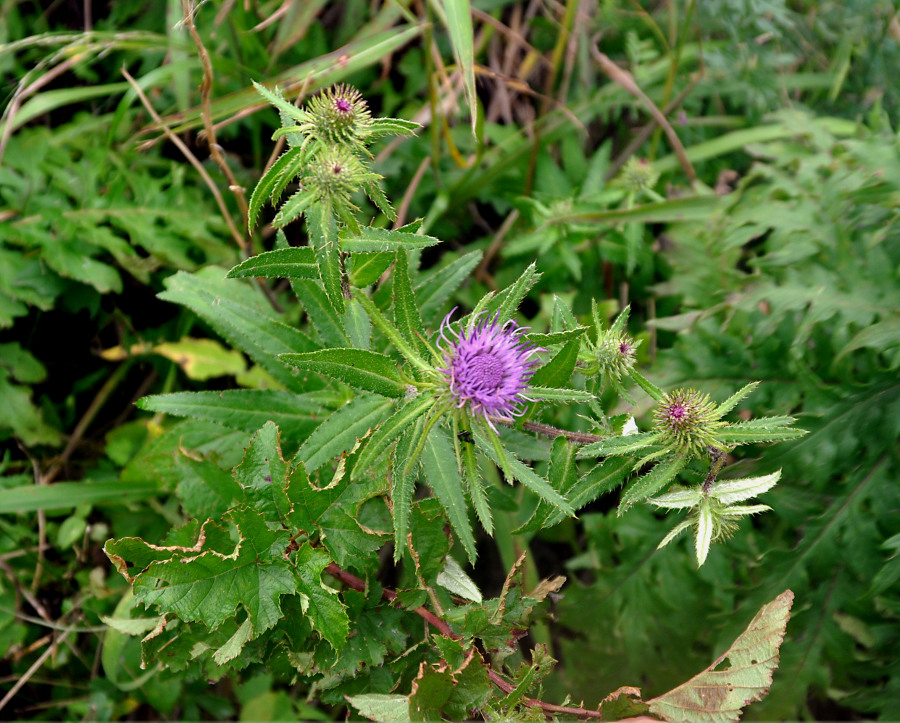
[
  {"x": 653, "y": 391},
  {"x": 263, "y": 473},
  {"x": 880, "y": 336},
  {"x": 371, "y": 240},
  {"x": 366, "y": 370},
  {"x": 454, "y": 579},
  {"x": 243, "y": 318},
  {"x": 719, "y": 694},
  {"x": 558, "y": 370},
  {"x": 320, "y": 604},
  {"x": 343, "y": 429},
  {"x": 406, "y": 313},
  {"x": 513, "y": 296},
  {"x": 65, "y": 495},
  {"x": 555, "y": 337},
  {"x": 277, "y": 99},
  {"x": 357, "y": 325},
  {"x": 366, "y": 269},
  {"x": 737, "y": 490},
  {"x": 403, "y": 484},
  {"x": 652, "y": 482},
  {"x": 735, "y": 399},
  {"x": 282, "y": 171},
  {"x": 291, "y": 263},
  {"x": 758, "y": 430},
  {"x": 295, "y": 207},
  {"x": 296, "y": 415},
  {"x": 434, "y": 288},
  {"x": 523, "y": 473},
  {"x": 209, "y": 585},
  {"x": 323, "y": 235},
  {"x": 547, "y": 394},
  {"x": 442, "y": 474},
  {"x": 627, "y": 444},
  {"x": 382, "y": 707},
  {"x": 204, "y": 488},
  {"x": 391, "y": 332},
  {"x": 389, "y": 431},
  {"x": 324, "y": 318},
  {"x": 458, "y": 18}
]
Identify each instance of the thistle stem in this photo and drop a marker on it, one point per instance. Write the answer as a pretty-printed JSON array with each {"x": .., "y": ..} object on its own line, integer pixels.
[
  {"x": 718, "y": 458},
  {"x": 553, "y": 432}
]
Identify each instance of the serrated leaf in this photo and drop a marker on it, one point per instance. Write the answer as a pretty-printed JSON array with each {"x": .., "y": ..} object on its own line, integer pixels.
[
  {"x": 705, "y": 530},
  {"x": 324, "y": 318},
  {"x": 442, "y": 474},
  {"x": 653, "y": 391},
  {"x": 296, "y": 262},
  {"x": 555, "y": 337},
  {"x": 406, "y": 313},
  {"x": 652, "y": 482},
  {"x": 287, "y": 166},
  {"x": 730, "y": 491},
  {"x": 757, "y": 432},
  {"x": 235, "y": 644},
  {"x": 513, "y": 295},
  {"x": 262, "y": 472},
  {"x": 341, "y": 431},
  {"x": 209, "y": 586},
  {"x": 242, "y": 317},
  {"x": 736, "y": 399},
  {"x": 403, "y": 485},
  {"x": 323, "y": 236},
  {"x": 276, "y": 99},
  {"x": 357, "y": 325},
  {"x": 292, "y": 209},
  {"x": 678, "y": 499},
  {"x": 296, "y": 415},
  {"x": 391, "y": 332},
  {"x": 366, "y": 370},
  {"x": 371, "y": 240},
  {"x": 617, "y": 445},
  {"x": 549, "y": 394},
  {"x": 720, "y": 694},
  {"x": 389, "y": 431},
  {"x": 366, "y": 269}
]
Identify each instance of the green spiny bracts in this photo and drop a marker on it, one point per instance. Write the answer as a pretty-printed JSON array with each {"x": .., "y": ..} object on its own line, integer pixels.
[
  {"x": 638, "y": 175},
  {"x": 338, "y": 115},
  {"x": 336, "y": 173},
  {"x": 615, "y": 353},
  {"x": 686, "y": 421}
]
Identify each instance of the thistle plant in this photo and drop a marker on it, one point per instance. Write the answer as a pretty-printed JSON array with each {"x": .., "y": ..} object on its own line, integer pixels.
[{"x": 388, "y": 394}]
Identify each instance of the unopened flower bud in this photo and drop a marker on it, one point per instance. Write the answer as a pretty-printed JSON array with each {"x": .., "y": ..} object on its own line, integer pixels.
[{"x": 686, "y": 421}]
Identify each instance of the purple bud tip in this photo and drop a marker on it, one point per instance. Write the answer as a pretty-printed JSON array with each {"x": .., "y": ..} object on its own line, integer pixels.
[
  {"x": 677, "y": 411},
  {"x": 342, "y": 105}
]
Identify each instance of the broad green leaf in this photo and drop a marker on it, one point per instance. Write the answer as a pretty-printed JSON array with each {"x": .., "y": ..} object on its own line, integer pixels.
[
  {"x": 880, "y": 336},
  {"x": 366, "y": 370},
  {"x": 357, "y": 325},
  {"x": 435, "y": 287},
  {"x": 555, "y": 337},
  {"x": 652, "y": 482},
  {"x": 371, "y": 240},
  {"x": 296, "y": 415},
  {"x": 204, "y": 488},
  {"x": 320, "y": 604},
  {"x": 442, "y": 474},
  {"x": 243, "y": 318},
  {"x": 323, "y": 235},
  {"x": 558, "y": 370},
  {"x": 720, "y": 694},
  {"x": 390, "y": 430},
  {"x": 406, "y": 313},
  {"x": 208, "y": 587},
  {"x": 341, "y": 431},
  {"x": 296, "y": 262},
  {"x": 365, "y": 269}
]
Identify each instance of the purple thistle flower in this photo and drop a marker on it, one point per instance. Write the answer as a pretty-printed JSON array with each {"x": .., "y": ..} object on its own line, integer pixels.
[{"x": 488, "y": 367}]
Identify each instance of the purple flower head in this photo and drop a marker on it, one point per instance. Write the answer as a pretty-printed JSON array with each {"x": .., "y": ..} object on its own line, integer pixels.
[
  {"x": 687, "y": 421},
  {"x": 488, "y": 367}
]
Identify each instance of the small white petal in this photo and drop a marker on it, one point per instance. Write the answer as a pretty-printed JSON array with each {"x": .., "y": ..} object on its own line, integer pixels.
[{"x": 630, "y": 428}]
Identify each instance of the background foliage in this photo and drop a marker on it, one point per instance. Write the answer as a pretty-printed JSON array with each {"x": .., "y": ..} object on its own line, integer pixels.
[{"x": 779, "y": 263}]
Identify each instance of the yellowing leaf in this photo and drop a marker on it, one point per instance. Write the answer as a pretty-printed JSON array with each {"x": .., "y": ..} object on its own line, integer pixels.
[
  {"x": 201, "y": 359},
  {"x": 720, "y": 694}
]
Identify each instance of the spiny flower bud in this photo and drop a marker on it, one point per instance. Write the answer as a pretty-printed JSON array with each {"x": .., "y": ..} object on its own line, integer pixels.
[
  {"x": 339, "y": 115},
  {"x": 639, "y": 175},
  {"x": 336, "y": 173},
  {"x": 686, "y": 421},
  {"x": 616, "y": 353}
]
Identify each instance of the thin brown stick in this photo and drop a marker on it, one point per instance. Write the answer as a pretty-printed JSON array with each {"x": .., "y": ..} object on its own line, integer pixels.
[
  {"x": 179, "y": 144},
  {"x": 209, "y": 132},
  {"x": 548, "y": 430},
  {"x": 33, "y": 669},
  {"x": 410, "y": 191},
  {"x": 624, "y": 79}
]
